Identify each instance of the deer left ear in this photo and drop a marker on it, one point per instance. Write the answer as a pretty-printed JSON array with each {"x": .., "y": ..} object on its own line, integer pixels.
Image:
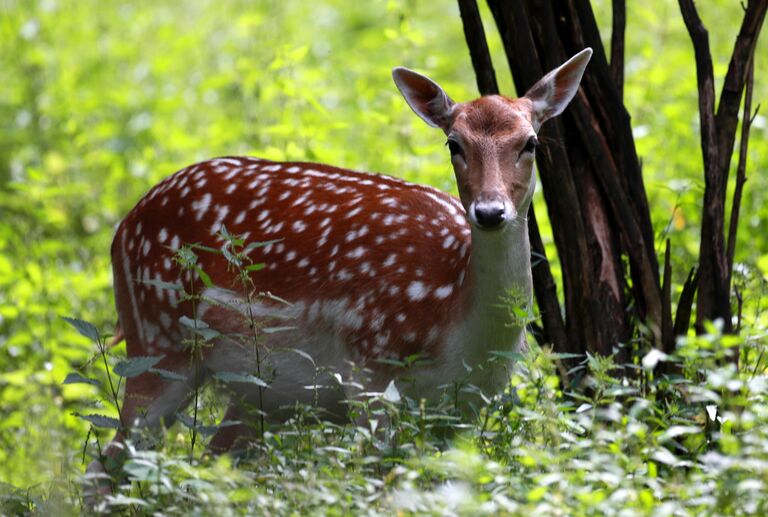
[
  {"x": 425, "y": 97},
  {"x": 554, "y": 91}
]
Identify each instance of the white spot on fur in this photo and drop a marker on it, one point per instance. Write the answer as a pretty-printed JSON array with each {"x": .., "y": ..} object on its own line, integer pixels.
[
  {"x": 353, "y": 213},
  {"x": 443, "y": 292},
  {"x": 301, "y": 199},
  {"x": 417, "y": 291},
  {"x": 201, "y": 206},
  {"x": 391, "y": 202},
  {"x": 357, "y": 252}
]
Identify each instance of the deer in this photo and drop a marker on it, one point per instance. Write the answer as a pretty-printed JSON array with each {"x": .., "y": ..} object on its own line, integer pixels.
[{"x": 354, "y": 267}]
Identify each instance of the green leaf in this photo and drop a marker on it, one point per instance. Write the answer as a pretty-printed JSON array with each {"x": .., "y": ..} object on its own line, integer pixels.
[
  {"x": 392, "y": 394},
  {"x": 84, "y": 328},
  {"x": 664, "y": 456},
  {"x": 507, "y": 354},
  {"x": 231, "y": 258},
  {"x": 167, "y": 374},
  {"x": 204, "y": 277},
  {"x": 192, "y": 323},
  {"x": 135, "y": 366},
  {"x": 206, "y": 248},
  {"x": 141, "y": 470},
  {"x": 205, "y": 430},
  {"x": 303, "y": 354},
  {"x": 100, "y": 421},
  {"x": 200, "y": 328},
  {"x": 76, "y": 378},
  {"x": 164, "y": 285},
  {"x": 564, "y": 355},
  {"x": 228, "y": 377},
  {"x": 254, "y": 245},
  {"x": 678, "y": 430},
  {"x": 255, "y": 267}
]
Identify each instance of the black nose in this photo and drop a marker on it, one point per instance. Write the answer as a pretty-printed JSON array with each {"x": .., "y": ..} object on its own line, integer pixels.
[{"x": 489, "y": 215}]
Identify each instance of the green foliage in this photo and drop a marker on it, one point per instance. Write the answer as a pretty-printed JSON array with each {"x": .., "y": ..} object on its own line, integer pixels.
[
  {"x": 101, "y": 99},
  {"x": 637, "y": 444}
]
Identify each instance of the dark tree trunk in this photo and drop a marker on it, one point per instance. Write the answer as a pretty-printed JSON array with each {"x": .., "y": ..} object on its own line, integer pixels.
[{"x": 718, "y": 133}]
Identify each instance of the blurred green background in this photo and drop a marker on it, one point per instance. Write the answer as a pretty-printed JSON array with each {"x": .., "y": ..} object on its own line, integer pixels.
[{"x": 99, "y": 99}]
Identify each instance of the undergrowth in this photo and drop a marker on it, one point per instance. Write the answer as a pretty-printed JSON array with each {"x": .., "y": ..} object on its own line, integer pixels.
[
  {"x": 669, "y": 435},
  {"x": 689, "y": 444}
]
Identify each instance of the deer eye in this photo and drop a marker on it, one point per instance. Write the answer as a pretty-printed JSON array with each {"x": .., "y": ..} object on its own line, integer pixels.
[
  {"x": 454, "y": 147},
  {"x": 530, "y": 145}
]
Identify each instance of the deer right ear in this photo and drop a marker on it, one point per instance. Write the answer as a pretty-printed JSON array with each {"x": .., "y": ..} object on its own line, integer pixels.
[
  {"x": 425, "y": 97},
  {"x": 554, "y": 91}
]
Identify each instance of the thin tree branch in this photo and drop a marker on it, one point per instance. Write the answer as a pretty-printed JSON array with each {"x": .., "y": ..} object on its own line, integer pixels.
[
  {"x": 713, "y": 300},
  {"x": 478, "y": 47},
  {"x": 667, "y": 330},
  {"x": 705, "y": 83},
  {"x": 730, "y": 97},
  {"x": 685, "y": 303},
  {"x": 546, "y": 293},
  {"x": 619, "y": 15},
  {"x": 741, "y": 170}
]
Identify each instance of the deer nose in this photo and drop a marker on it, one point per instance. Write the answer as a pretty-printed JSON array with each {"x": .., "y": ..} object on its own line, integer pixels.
[{"x": 489, "y": 214}]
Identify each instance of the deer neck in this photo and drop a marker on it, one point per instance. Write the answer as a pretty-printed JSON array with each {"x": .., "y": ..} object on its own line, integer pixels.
[{"x": 499, "y": 271}]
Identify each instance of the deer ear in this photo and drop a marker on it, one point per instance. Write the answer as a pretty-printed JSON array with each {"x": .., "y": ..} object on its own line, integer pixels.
[
  {"x": 554, "y": 91},
  {"x": 425, "y": 97}
]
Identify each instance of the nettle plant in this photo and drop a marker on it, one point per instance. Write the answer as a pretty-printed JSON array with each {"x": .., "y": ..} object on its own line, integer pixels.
[{"x": 690, "y": 444}]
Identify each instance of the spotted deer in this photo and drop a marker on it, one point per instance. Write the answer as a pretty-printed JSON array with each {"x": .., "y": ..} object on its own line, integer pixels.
[{"x": 360, "y": 267}]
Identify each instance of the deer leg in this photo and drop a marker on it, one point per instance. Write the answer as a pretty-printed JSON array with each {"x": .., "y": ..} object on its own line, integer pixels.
[
  {"x": 232, "y": 437},
  {"x": 149, "y": 403}
]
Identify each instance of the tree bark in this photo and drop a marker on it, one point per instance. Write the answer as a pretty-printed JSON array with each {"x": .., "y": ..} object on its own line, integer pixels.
[
  {"x": 478, "y": 47},
  {"x": 718, "y": 133},
  {"x": 741, "y": 170},
  {"x": 619, "y": 16}
]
